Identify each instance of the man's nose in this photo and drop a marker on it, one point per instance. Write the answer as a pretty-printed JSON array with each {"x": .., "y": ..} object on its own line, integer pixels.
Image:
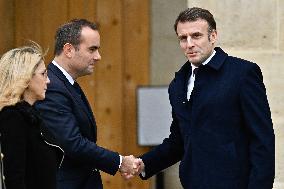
[
  {"x": 189, "y": 42},
  {"x": 97, "y": 56}
]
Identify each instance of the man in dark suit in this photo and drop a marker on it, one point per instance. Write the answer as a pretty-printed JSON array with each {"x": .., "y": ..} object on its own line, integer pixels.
[
  {"x": 222, "y": 129},
  {"x": 68, "y": 117}
]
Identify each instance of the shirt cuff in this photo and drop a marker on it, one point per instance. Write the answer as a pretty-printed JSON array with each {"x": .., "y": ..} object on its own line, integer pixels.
[
  {"x": 120, "y": 161},
  {"x": 143, "y": 174}
]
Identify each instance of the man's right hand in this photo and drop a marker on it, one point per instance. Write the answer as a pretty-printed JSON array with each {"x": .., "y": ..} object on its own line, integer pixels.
[{"x": 131, "y": 166}]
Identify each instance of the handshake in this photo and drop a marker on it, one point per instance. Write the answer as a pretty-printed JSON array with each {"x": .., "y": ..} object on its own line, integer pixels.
[{"x": 131, "y": 167}]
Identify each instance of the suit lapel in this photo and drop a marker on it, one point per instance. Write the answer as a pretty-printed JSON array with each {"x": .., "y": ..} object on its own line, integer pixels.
[
  {"x": 79, "y": 101},
  {"x": 84, "y": 101}
]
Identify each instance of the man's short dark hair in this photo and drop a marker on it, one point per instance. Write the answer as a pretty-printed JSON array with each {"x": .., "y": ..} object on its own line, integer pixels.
[
  {"x": 193, "y": 14},
  {"x": 71, "y": 33}
]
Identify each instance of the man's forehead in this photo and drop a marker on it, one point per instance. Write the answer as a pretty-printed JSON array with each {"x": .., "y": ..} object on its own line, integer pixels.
[
  {"x": 90, "y": 36},
  {"x": 194, "y": 25},
  {"x": 192, "y": 22}
]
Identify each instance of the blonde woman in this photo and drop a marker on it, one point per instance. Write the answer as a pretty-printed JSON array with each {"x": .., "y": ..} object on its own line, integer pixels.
[{"x": 29, "y": 162}]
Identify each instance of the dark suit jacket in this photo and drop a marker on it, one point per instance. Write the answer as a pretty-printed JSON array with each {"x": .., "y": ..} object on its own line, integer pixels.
[
  {"x": 223, "y": 135},
  {"x": 29, "y": 163},
  {"x": 71, "y": 125}
]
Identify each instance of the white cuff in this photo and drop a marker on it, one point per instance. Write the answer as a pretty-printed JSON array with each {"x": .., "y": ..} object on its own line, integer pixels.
[
  {"x": 143, "y": 174},
  {"x": 120, "y": 161}
]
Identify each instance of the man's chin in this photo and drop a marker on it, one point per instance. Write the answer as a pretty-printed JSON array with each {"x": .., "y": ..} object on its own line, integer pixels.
[
  {"x": 195, "y": 62},
  {"x": 90, "y": 71},
  {"x": 86, "y": 72}
]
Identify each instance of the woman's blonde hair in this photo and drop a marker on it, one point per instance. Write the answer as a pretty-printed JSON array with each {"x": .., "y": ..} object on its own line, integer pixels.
[{"x": 17, "y": 67}]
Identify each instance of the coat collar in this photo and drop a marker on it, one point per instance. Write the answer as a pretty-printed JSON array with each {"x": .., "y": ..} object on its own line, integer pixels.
[
  {"x": 182, "y": 76},
  {"x": 218, "y": 60},
  {"x": 216, "y": 63}
]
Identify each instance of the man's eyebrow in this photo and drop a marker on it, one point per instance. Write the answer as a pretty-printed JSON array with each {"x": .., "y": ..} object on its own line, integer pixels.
[
  {"x": 181, "y": 35},
  {"x": 94, "y": 47}
]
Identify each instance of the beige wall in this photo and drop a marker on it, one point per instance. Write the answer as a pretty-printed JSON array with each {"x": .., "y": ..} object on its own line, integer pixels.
[{"x": 253, "y": 30}]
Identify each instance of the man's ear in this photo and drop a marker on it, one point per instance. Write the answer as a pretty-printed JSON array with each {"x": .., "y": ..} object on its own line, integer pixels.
[
  {"x": 68, "y": 50},
  {"x": 213, "y": 37}
]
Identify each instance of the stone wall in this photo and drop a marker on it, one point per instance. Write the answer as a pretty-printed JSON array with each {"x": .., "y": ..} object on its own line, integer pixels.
[{"x": 253, "y": 30}]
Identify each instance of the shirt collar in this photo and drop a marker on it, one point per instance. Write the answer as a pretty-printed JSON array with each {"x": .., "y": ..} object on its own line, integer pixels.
[{"x": 65, "y": 73}]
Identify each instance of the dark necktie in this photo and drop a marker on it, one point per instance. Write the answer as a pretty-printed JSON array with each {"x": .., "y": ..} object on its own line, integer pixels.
[
  {"x": 82, "y": 95},
  {"x": 195, "y": 71},
  {"x": 77, "y": 88}
]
